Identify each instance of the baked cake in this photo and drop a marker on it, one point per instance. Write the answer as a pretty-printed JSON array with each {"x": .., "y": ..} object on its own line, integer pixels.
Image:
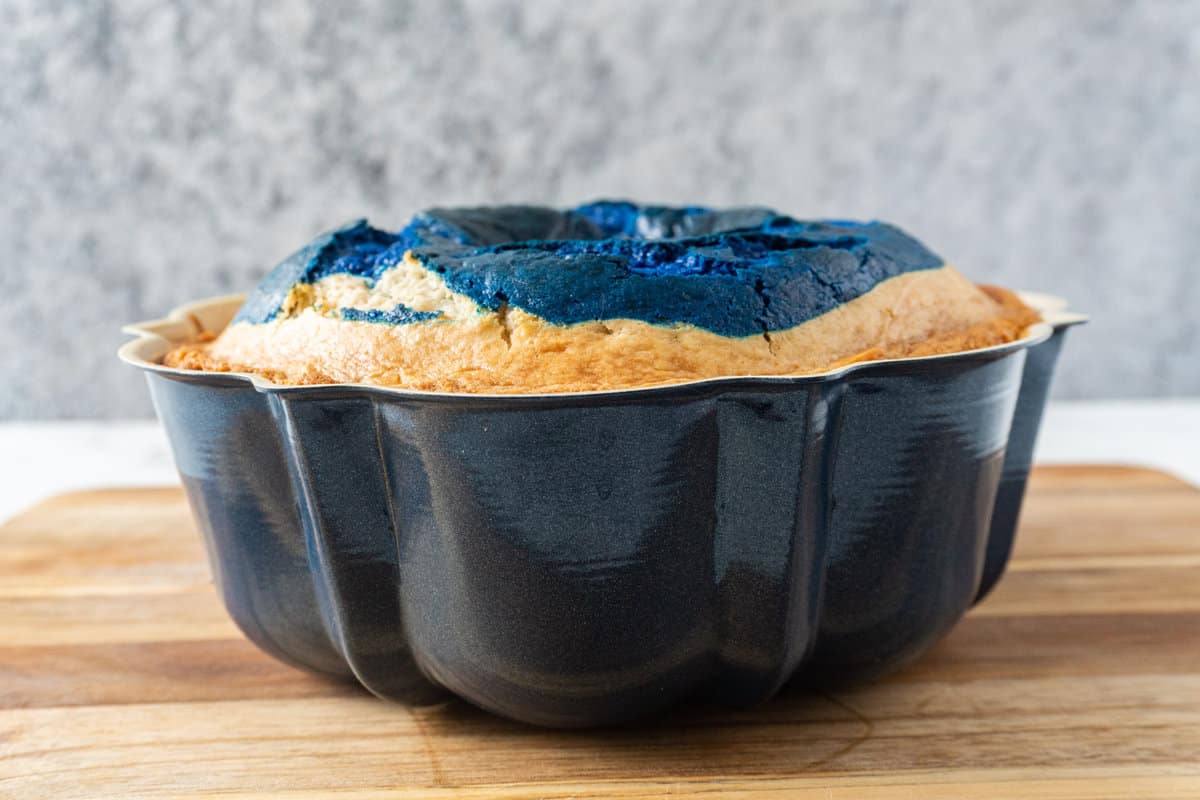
[{"x": 524, "y": 299}]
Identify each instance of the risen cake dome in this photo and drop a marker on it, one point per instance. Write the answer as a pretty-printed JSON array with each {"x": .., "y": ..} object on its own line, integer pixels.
[{"x": 606, "y": 295}]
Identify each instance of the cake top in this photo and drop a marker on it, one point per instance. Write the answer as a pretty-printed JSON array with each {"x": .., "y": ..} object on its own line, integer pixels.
[{"x": 735, "y": 272}]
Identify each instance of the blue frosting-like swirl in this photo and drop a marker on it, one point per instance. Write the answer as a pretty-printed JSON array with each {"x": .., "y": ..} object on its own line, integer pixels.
[{"x": 735, "y": 272}]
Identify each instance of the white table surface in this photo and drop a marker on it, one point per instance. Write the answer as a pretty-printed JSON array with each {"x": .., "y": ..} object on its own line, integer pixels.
[{"x": 39, "y": 459}]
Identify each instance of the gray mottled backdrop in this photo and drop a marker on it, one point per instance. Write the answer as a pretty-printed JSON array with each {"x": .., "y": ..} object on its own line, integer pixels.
[{"x": 154, "y": 152}]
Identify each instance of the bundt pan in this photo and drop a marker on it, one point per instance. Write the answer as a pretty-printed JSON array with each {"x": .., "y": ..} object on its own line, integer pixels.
[{"x": 583, "y": 559}]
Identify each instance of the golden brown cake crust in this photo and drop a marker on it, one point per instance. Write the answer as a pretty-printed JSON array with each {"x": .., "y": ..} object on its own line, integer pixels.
[{"x": 919, "y": 313}]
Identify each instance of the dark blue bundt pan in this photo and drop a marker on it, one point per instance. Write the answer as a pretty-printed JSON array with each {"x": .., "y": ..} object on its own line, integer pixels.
[{"x": 582, "y": 559}]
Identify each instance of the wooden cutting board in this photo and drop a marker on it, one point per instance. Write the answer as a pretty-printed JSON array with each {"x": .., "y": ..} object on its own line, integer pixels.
[{"x": 120, "y": 676}]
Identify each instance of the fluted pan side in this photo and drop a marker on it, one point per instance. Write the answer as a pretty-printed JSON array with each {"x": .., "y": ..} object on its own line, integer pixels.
[
  {"x": 229, "y": 450},
  {"x": 584, "y": 559},
  {"x": 772, "y": 506},
  {"x": 913, "y": 488},
  {"x": 348, "y": 521},
  {"x": 1040, "y": 360},
  {"x": 560, "y": 555}
]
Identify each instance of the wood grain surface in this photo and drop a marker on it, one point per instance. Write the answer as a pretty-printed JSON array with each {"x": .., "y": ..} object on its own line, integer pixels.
[{"x": 121, "y": 676}]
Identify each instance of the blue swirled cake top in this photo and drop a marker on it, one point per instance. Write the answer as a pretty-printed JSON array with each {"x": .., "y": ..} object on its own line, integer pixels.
[{"x": 736, "y": 272}]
